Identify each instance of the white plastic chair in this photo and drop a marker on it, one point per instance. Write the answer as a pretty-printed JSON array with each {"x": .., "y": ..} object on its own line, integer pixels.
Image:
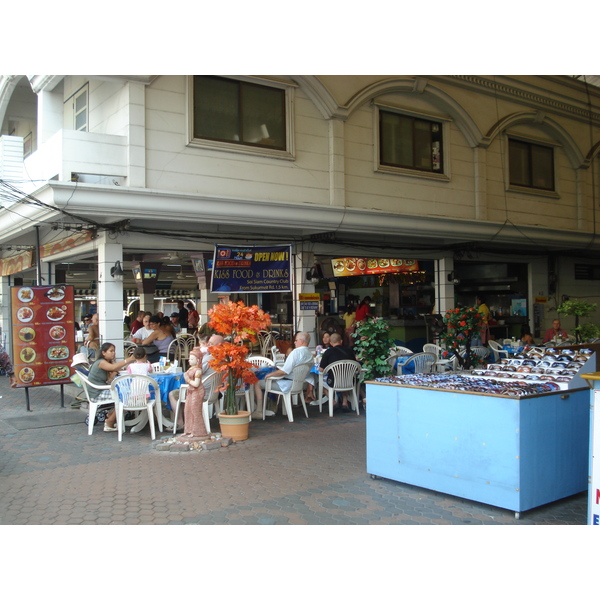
[
  {"x": 434, "y": 349},
  {"x": 135, "y": 393},
  {"x": 128, "y": 348},
  {"x": 211, "y": 396},
  {"x": 177, "y": 350},
  {"x": 497, "y": 350},
  {"x": 278, "y": 357},
  {"x": 187, "y": 341},
  {"x": 422, "y": 361},
  {"x": 299, "y": 374},
  {"x": 93, "y": 403},
  {"x": 266, "y": 341},
  {"x": 395, "y": 354},
  {"x": 401, "y": 350},
  {"x": 260, "y": 361},
  {"x": 345, "y": 375},
  {"x": 480, "y": 351}
]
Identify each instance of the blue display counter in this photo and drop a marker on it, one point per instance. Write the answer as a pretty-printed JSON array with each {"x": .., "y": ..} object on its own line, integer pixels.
[
  {"x": 594, "y": 488},
  {"x": 514, "y": 453}
]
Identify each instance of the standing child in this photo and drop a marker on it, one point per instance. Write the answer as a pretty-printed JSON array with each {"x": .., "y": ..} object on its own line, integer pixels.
[{"x": 141, "y": 366}]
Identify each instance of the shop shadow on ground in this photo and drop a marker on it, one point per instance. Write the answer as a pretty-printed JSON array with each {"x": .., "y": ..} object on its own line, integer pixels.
[{"x": 311, "y": 471}]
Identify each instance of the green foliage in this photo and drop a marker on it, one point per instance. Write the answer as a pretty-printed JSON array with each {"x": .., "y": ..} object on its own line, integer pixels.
[
  {"x": 579, "y": 308},
  {"x": 588, "y": 331},
  {"x": 372, "y": 347},
  {"x": 462, "y": 325},
  {"x": 576, "y": 308}
]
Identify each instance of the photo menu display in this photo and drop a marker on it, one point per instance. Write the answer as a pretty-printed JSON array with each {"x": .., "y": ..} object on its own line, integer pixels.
[{"x": 43, "y": 334}]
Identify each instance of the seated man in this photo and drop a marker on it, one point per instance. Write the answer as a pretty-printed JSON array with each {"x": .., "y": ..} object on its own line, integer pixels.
[
  {"x": 175, "y": 322},
  {"x": 555, "y": 331},
  {"x": 300, "y": 355},
  {"x": 334, "y": 353}
]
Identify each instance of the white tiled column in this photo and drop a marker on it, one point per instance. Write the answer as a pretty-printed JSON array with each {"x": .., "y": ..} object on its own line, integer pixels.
[
  {"x": 305, "y": 320},
  {"x": 110, "y": 295},
  {"x": 444, "y": 289}
]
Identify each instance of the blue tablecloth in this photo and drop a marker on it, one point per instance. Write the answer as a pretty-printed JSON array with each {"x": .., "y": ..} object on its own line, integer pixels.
[
  {"x": 167, "y": 383},
  {"x": 260, "y": 373},
  {"x": 512, "y": 350}
]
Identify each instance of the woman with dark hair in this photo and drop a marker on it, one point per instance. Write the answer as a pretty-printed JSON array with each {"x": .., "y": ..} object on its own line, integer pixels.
[
  {"x": 363, "y": 310},
  {"x": 160, "y": 338},
  {"x": 102, "y": 372}
]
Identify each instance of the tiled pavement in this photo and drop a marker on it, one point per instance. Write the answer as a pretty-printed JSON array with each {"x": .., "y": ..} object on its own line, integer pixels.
[{"x": 302, "y": 473}]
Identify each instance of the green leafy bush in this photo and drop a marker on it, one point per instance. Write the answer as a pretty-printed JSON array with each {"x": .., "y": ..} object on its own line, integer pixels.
[
  {"x": 372, "y": 347},
  {"x": 580, "y": 309}
]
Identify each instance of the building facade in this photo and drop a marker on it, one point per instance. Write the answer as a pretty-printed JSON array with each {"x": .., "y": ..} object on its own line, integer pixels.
[{"x": 492, "y": 182}]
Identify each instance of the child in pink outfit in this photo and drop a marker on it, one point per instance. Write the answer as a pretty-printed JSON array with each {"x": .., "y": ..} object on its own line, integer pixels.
[{"x": 141, "y": 366}]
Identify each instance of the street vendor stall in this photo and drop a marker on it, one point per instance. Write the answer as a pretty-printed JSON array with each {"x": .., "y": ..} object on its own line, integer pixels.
[{"x": 512, "y": 443}]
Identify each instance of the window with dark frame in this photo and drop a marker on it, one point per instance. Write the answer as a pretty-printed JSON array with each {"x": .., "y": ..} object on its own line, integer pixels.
[
  {"x": 410, "y": 143},
  {"x": 239, "y": 112},
  {"x": 531, "y": 165}
]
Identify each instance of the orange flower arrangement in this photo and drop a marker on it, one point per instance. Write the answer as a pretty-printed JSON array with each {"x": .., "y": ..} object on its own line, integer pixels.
[{"x": 237, "y": 323}]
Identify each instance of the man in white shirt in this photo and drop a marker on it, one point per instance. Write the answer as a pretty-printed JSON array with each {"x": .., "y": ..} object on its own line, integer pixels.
[{"x": 298, "y": 356}]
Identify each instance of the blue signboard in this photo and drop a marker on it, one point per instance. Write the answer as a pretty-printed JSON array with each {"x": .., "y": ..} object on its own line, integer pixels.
[{"x": 252, "y": 269}]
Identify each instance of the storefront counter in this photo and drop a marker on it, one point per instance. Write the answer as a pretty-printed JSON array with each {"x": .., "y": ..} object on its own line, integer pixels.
[{"x": 514, "y": 453}]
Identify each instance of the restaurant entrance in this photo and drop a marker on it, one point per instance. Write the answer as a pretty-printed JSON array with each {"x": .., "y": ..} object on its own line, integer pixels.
[{"x": 401, "y": 290}]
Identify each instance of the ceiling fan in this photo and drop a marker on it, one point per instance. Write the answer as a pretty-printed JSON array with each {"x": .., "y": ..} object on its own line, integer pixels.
[
  {"x": 170, "y": 257},
  {"x": 70, "y": 274},
  {"x": 180, "y": 275}
]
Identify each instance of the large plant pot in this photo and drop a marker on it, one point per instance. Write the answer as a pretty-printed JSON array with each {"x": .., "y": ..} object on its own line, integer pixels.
[{"x": 235, "y": 426}]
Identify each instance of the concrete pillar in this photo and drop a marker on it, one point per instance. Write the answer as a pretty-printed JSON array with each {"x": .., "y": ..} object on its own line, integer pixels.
[
  {"x": 110, "y": 295},
  {"x": 6, "y": 328},
  {"x": 49, "y": 115},
  {"x": 136, "y": 133},
  {"x": 147, "y": 303},
  {"x": 305, "y": 320},
  {"x": 444, "y": 289}
]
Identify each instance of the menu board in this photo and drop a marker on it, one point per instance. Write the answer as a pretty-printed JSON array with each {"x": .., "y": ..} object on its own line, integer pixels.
[
  {"x": 43, "y": 327},
  {"x": 344, "y": 267}
]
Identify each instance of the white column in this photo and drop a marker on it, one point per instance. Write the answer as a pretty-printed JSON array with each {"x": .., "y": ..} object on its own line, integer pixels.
[
  {"x": 49, "y": 114},
  {"x": 147, "y": 303},
  {"x": 337, "y": 162},
  {"x": 444, "y": 289},
  {"x": 136, "y": 133},
  {"x": 481, "y": 182},
  {"x": 110, "y": 295},
  {"x": 6, "y": 328},
  {"x": 305, "y": 320}
]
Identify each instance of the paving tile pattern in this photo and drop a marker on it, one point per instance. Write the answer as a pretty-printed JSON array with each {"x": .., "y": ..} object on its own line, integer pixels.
[{"x": 309, "y": 472}]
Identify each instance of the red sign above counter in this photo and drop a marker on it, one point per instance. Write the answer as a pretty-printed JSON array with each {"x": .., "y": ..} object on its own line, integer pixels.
[
  {"x": 43, "y": 337},
  {"x": 345, "y": 267}
]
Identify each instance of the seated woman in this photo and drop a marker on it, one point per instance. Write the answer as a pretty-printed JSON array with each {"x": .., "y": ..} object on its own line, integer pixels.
[
  {"x": 102, "y": 372},
  {"x": 160, "y": 338}
]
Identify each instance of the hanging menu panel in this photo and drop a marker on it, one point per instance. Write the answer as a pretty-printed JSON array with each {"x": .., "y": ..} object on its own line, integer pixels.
[{"x": 43, "y": 323}]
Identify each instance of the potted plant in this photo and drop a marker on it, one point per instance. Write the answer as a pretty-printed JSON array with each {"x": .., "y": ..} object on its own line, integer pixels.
[
  {"x": 239, "y": 324},
  {"x": 578, "y": 308},
  {"x": 372, "y": 347},
  {"x": 462, "y": 325}
]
